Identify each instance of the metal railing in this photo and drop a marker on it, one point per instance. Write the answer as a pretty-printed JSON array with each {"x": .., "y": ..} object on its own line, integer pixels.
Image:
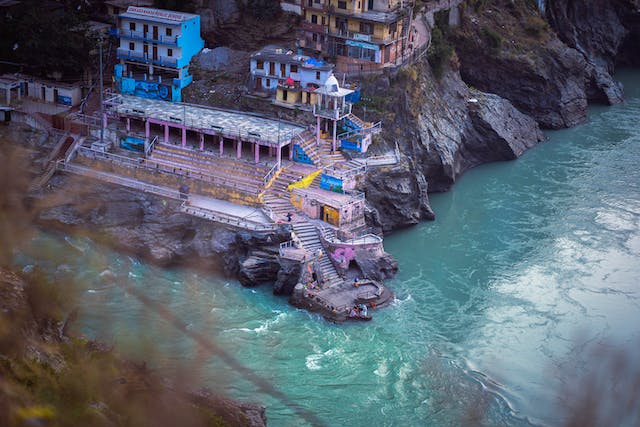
[
  {"x": 346, "y": 173},
  {"x": 115, "y": 179},
  {"x": 375, "y": 128},
  {"x": 335, "y": 114},
  {"x": 151, "y": 146},
  {"x": 144, "y": 57},
  {"x": 148, "y": 36},
  {"x": 155, "y": 165},
  {"x": 271, "y": 173},
  {"x": 227, "y": 219}
]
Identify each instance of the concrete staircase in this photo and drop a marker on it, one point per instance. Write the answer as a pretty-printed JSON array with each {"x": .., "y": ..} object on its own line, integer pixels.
[
  {"x": 233, "y": 173},
  {"x": 306, "y": 232},
  {"x": 276, "y": 196},
  {"x": 359, "y": 123},
  {"x": 307, "y": 143}
]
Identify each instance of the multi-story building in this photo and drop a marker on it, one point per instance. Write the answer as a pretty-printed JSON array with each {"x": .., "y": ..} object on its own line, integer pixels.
[
  {"x": 359, "y": 34},
  {"x": 155, "y": 49},
  {"x": 293, "y": 78}
]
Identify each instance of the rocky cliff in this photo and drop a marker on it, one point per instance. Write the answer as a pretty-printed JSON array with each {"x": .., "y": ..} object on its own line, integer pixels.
[
  {"x": 487, "y": 87},
  {"x": 153, "y": 228},
  {"x": 605, "y": 32},
  {"x": 443, "y": 128}
]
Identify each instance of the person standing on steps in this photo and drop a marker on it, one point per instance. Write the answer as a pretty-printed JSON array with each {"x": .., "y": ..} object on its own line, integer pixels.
[{"x": 289, "y": 216}]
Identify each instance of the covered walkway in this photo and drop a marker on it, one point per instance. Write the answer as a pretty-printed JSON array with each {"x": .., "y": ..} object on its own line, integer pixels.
[{"x": 208, "y": 123}]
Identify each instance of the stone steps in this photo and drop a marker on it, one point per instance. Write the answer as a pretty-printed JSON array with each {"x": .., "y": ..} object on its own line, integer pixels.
[
  {"x": 310, "y": 240},
  {"x": 250, "y": 183}
]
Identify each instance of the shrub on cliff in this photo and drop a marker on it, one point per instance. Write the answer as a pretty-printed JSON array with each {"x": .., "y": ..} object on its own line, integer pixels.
[{"x": 440, "y": 50}]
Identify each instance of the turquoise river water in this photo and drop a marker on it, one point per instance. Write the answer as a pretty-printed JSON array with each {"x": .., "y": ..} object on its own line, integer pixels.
[{"x": 503, "y": 304}]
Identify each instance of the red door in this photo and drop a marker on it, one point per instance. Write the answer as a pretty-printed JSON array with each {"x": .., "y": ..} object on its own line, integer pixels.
[
  {"x": 155, "y": 32},
  {"x": 145, "y": 49},
  {"x": 155, "y": 52}
]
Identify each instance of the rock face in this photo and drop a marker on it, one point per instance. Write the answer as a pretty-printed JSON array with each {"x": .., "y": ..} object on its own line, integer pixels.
[
  {"x": 288, "y": 277},
  {"x": 507, "y": 48},
  {"x": 443, "y": 128},
  {"x": 152, "y": 228},
  {"x": 379, "y": 268},
  {"x": 549, "y": 72},
  {"x": 602, "y": 31}
]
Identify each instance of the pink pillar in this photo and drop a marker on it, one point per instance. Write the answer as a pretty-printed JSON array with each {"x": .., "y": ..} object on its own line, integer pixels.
[
  {"x": 335, "y": 129},
  {"x": 221, "y": 145},
  {"x": 104, "y": 120},
  {"x": 279, "y": 156},
  {"x": 147, "y": 130},
  {"x": 290, "y": 151},
  {"x": 256, "y": 150},
  {"x": 184, "y": 137},
  {"x": 166, "y": 134},
  {"x": 318, "y": 130},
  {"x": 239, "y": 148},
  {"x": 128, "y": 124},
  {"x": 202, "y": 142}
]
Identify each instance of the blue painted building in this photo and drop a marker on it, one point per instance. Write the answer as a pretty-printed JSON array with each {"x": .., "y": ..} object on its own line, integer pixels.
[{"x": 155, "y": 50}]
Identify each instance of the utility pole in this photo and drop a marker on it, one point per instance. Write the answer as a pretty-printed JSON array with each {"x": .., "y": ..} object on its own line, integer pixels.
[{"x": 101, "y": 95}]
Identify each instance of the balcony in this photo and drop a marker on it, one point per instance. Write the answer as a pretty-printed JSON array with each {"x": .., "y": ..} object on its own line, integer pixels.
[
  {"x": 147, "y": 37},
  {"x": 308, "y": 43},
  {"x": 133, "y": 55},
  {"x": 283, "y": 85},
  {"x": 319, "y": 6},
  {"x": 367, "y": 38},
  {"x": 261, "y": 72},
  {"x": 314, "y": 28},
  {"x": 333, "y": 114}
]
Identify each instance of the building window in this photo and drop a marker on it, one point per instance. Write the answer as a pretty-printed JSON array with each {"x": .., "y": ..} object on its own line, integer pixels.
[
  {"x": 169, "y": 52},
  {"x": 132, "y": 26},
  {"x": 324, "y": 21},
  {"x": 314, "y": 19},
  {"x": 294, "y": 68},
  {"x": 342, "y": 5},
  {"x": 393, "y": 27},
  {"x": 132, "y": 46},
  {"x": 169, "y": 32},
  {"x": 366, "y": 28},
  {"x": 317, "y": 75},
  {"x": 314, "y": 36},
  {"x": 259, "y": 65},
  {"x": 268, "y": 83},
  {"x": 284, "y": 95}
]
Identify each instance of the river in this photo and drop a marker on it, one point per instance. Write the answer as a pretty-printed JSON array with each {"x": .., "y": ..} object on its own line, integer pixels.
[{"x": 505, "y": 302}]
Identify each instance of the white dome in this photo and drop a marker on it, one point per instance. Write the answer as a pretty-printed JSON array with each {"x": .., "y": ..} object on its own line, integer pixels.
[{"x": 331, "y": 85}]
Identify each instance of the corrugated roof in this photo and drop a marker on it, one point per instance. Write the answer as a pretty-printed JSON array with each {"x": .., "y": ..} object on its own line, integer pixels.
[{"x": 157, "y": 15}]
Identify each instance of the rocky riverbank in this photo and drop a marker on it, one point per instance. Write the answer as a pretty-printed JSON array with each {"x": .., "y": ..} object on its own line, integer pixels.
[{"x": 486, "y": 88}]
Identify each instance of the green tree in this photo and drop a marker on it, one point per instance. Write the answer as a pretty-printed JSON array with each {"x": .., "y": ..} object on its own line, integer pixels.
[{"x": 46, "y": 41}]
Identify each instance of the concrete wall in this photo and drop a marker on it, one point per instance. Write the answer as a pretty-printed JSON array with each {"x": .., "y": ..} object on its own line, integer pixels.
[
  {"x": 51, "y": 92},
  {"x": 171, "y": 180}
]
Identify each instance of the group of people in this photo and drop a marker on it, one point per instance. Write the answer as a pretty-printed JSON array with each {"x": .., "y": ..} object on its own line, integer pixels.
[{"x": 359, "y": 310}]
